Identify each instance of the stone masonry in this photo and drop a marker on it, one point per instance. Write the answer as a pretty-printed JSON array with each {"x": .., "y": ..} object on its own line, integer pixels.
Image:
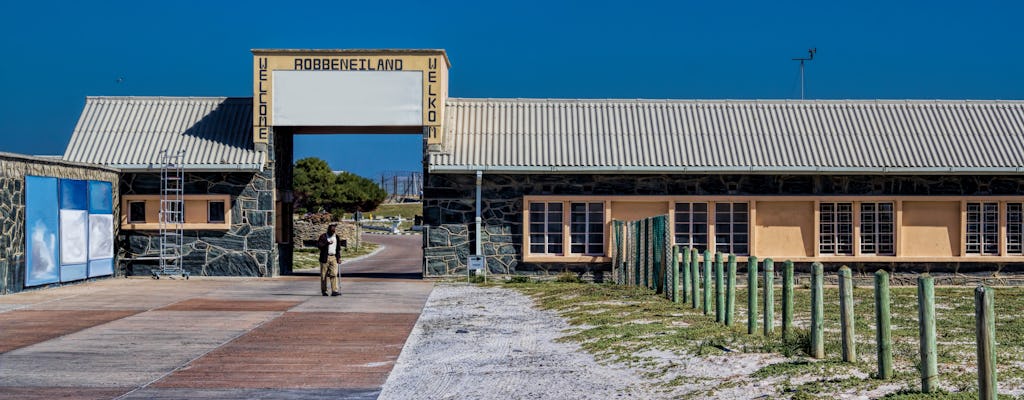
[
  {"x": 449, "y": 207},
  {"x": 13, "y": 169},
  {"x": 246, "y": 249}
]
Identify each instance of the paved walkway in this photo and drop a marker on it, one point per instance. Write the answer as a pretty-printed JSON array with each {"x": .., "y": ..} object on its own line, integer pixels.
[{"x": 206, "y": 338}]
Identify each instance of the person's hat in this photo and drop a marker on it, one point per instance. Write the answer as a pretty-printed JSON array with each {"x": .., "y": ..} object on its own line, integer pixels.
[{"x": 332, "y": 225}]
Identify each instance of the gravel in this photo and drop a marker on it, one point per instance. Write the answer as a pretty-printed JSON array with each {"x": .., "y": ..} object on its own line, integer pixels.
[{"x": 484, "y": 343}]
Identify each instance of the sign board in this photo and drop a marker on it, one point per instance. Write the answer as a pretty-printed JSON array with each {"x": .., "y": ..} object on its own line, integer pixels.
[
  {"x": 476, "y": 263},
  {"x": 343, "y": 88}
]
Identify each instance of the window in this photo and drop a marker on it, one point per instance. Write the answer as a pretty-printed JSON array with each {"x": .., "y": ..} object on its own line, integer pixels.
[
  {"x": 136, "y": 212},
  {"x": 983, "y": 228},
  {"x": 835, "y": 228},
  {"x": 586, "y": 226},
  {"x": 215, "y": 212},
  {"x": 731, "y": 228},
  {"x": 546, "y": 228},
  {"x": 1015, "y": 228},
  {"x": 692, "y": 224},
  {"x": 876, "y": 229},
  {"x": 194, "y": 212}
]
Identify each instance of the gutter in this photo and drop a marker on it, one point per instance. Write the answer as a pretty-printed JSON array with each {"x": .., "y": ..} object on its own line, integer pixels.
[
  {"x": 461, "y": 169},
  {"x": 191, "y": 167}
]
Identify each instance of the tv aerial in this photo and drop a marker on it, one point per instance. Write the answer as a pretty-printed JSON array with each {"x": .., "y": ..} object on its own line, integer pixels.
[{"x": 810, "y": 56}]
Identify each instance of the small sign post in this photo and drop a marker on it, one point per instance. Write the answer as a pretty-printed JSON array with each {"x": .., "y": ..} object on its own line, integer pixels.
[{"x": 476, "y": 263}]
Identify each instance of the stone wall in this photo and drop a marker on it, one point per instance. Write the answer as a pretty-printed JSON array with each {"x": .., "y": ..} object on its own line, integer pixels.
[
  {"x": 13, "y": 169},
  {"x": 449, "y": 206},
  {"x": 246, "y": 249},
  {"x": 306, "y": 233}
]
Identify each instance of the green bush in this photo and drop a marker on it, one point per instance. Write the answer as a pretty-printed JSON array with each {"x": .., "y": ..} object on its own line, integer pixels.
[{"x": 519, "y": 279}]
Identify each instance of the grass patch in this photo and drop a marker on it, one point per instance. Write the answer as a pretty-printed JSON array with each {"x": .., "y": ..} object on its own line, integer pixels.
[
  {"x": 627, "y": 324},
  {"x": 306, "y": 258}
]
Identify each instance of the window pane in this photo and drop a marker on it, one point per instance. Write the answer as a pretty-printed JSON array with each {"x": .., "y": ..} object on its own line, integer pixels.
[
  {"x": 136, "y": 212},
  {"x": 216, "y": 209}
]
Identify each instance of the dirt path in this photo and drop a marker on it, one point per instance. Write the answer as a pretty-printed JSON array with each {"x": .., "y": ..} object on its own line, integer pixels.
[{"x": 490, "y": 343}]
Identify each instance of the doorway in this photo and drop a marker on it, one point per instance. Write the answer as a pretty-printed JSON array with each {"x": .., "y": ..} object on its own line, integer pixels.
[{"x": 380, "y": 230}]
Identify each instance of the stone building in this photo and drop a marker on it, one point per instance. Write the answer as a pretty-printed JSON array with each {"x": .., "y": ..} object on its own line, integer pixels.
[
  {"x": 533, "y": 185},
  {"x": 228, "y": 191},
  {"x": 897, "y": 184}
]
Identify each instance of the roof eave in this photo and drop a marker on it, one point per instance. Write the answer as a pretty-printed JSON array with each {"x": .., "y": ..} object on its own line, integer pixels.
[{"x": 460, "y": 169}]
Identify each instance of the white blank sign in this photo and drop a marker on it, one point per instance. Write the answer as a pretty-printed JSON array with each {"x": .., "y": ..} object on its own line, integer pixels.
[{"x": 348, "y": 98}]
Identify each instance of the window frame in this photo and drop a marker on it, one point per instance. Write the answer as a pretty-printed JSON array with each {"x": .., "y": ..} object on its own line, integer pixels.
[
  {"x": 876, "y": 224},
  {"x": 587, "y": 231},
  {"x": 547, "y": 212},
  {"x": 690, "y": 213},
  {"x": 223, "y": 211},
  {"x": 836, "y": 224},
  {"x": 129, "y": 214},
  {"x": 199, "y": 221},
  {"x": 567, "y": 254},
  {"x": 983, "y": 249},
  {"x": 732, "y": 244}
]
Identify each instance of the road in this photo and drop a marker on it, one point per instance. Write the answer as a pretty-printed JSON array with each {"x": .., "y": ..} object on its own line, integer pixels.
[{"x": 401, "y": 257}]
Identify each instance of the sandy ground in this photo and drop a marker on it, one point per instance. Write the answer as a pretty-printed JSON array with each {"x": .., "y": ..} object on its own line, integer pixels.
[{"x": 490, "y": 343}]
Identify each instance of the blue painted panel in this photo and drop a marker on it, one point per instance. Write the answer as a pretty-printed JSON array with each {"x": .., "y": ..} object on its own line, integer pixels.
[
  {"x": 100, "y": 198},
  {"x": 41, "y": 231},
  {"x": 101, "y": 267},
  {"x": 74, "y": 272},
  {"x": 74, "y": 194}
]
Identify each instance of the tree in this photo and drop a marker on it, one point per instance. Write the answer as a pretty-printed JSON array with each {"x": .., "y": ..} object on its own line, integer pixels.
[
  {"x": 311, "y": 184},
  {"x": 358, "y": 193},
  {"x": 316, "y": 188}
]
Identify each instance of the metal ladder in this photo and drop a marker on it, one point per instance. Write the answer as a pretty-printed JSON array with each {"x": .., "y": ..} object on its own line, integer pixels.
[{"x": 172, "y": 214}]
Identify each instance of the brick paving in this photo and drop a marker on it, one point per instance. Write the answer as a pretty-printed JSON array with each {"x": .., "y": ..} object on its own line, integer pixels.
[{"x": 215, "y": 338}]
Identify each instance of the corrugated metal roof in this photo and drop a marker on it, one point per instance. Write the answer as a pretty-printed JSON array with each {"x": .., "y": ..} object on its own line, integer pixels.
[
  {"x": 130, "y": 132},
  {"x": 818, "y": 136}
]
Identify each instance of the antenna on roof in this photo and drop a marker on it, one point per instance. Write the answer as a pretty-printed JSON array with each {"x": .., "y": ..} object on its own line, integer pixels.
[{"x": 810, "y": 56}]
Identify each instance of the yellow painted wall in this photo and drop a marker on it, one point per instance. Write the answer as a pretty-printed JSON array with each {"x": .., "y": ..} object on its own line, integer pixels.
[
  {"x": 433, "y": 63},
  {"x": 930, "y": 229},
  {"x": 195, "y": 211},
  {"x": 784, "y": 229},
  {"x": 632, "y": 211}
]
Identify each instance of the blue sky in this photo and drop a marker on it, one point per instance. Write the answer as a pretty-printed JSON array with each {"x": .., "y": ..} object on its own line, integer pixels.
[{"x": 57, "y": 53}]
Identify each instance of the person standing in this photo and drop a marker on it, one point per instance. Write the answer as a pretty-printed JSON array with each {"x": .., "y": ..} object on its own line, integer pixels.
[{"x": 330, "y": 257}]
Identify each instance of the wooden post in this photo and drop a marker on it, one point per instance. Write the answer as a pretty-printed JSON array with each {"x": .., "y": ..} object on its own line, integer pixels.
[
  {"x": 985, "y": 324},
  {"x": 675, "y": 274},
  {"x": 926, "y": 323},
  {"x": 787, "y": 298},
  {"x": 719, "y": 288},
  {"x": 769, "y": 297},
  {"x": 684, "y": 270},
  {"x": 694, "y": 277},
  {"x": 730, "y": 291},
  {"x": 817, "y": 311},
  {"x": 707, "y": 282},
  {"x": 846, "y": 314},
  {"x": 751, "y": 295},
  {"x": 883, "y": 333}
]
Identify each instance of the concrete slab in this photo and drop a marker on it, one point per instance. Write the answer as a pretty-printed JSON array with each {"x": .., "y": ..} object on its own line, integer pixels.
[{"x": 128, "y": 352}]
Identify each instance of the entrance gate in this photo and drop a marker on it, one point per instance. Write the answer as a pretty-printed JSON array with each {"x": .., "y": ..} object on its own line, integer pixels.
[{"x": 340, "y": 91}]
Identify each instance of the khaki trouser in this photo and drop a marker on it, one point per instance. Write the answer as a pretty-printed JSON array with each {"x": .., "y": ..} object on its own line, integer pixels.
[{"x": 329, "y": 271}]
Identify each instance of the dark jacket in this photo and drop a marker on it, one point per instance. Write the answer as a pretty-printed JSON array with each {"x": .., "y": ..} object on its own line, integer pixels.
[{"x": 323, "y": 244}]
